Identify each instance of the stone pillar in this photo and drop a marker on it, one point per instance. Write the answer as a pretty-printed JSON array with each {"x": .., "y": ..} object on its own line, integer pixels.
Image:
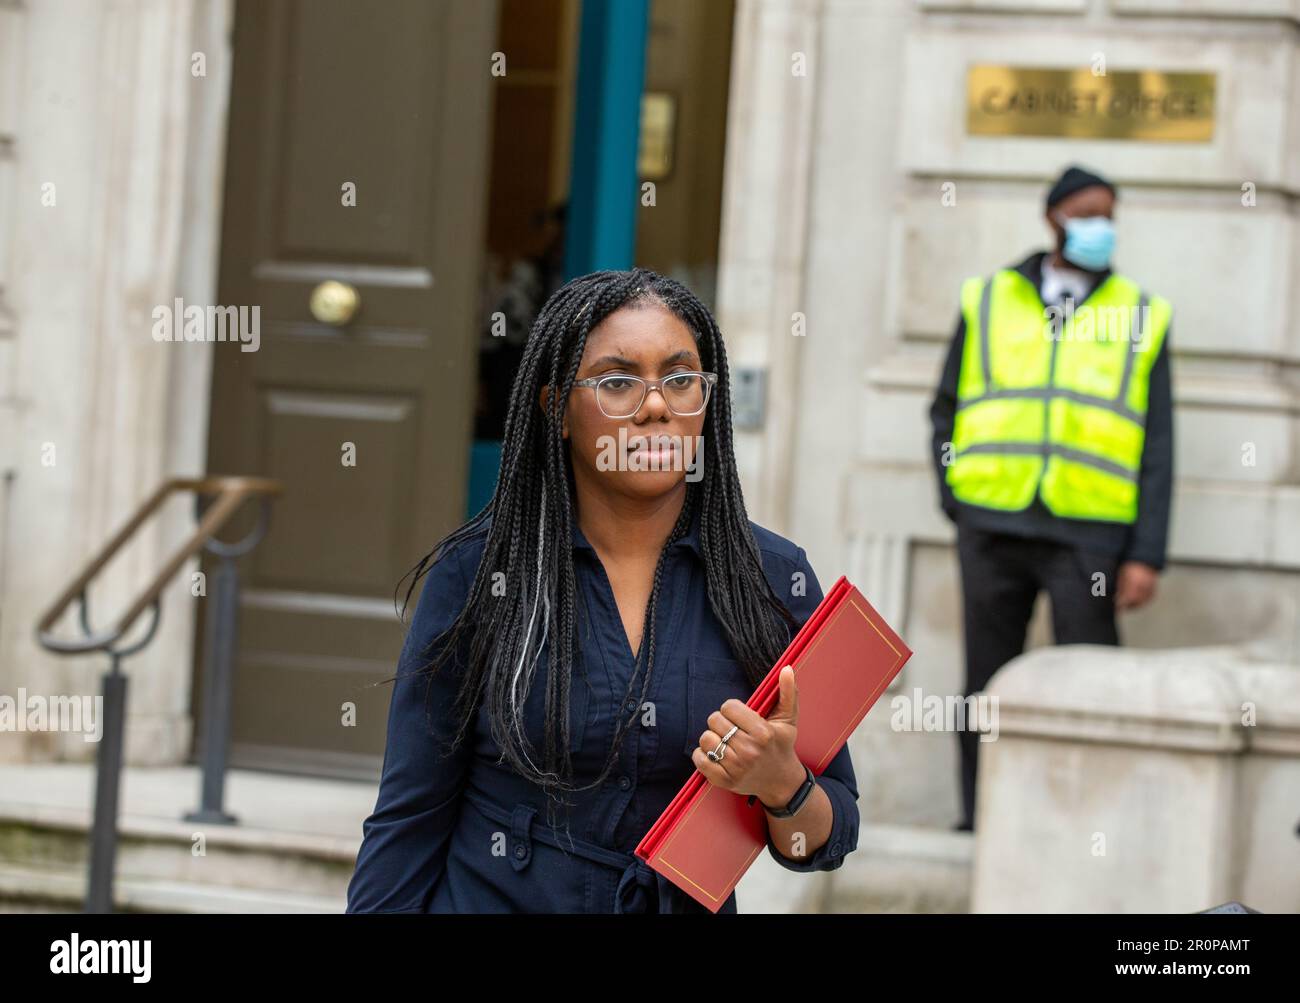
[
  {"x": 117, "y": 160},
  {"x": 1126, "y": 781},
  {"x": 775, "y": 74}
]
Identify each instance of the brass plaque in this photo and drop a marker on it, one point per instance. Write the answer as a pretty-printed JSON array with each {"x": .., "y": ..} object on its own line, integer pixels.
[
  {"x": 655, "y": 152},
  {"x": 1078, "y": 104}
]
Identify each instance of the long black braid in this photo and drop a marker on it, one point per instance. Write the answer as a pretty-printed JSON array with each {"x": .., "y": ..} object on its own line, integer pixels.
[{"x": 528, "y": 526}]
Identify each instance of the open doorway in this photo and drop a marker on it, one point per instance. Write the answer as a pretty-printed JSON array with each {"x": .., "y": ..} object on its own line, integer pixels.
[
  {"x": 682, "y": 147},
  {"x": 397, "y": 212}
]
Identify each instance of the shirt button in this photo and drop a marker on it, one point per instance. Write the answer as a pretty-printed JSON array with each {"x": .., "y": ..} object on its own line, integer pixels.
[
  {"x": 835, "y": 849},
  {"x": 631, "y": 705},
  {"x": 520, "y": 851},
  {"x": 624, "y": 783}
]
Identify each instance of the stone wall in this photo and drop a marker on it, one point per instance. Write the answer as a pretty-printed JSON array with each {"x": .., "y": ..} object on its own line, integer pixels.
[
  {"x": 834, "y": 186},
  {"x": 111, "y": 154},
  {"x": 1140, "y": 781}
]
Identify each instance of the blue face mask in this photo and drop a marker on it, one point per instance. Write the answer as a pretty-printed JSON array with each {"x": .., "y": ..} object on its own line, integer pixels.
[{"x": 1089, "y": 241}]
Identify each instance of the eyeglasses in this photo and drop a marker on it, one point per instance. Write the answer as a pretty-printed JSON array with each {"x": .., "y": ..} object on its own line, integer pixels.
[{"x": 621, "y": 396}]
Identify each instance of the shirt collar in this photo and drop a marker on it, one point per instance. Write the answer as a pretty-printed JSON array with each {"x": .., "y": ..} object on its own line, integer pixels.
[
  {"x": 690, "y": 539},
  {"x": 1032, "y": 269}
]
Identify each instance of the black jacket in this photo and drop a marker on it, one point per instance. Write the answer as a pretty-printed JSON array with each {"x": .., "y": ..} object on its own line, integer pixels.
[{"x": 1145, "y": 539}]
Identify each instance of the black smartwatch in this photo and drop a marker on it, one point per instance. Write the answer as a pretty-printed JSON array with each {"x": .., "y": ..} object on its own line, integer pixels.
[{"x": 796, "y": 802}]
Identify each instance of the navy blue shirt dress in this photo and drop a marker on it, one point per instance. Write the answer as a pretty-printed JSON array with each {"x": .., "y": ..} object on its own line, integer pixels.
[{"x": 466, "y": 834}]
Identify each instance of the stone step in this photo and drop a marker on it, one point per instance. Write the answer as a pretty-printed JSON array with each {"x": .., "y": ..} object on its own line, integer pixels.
[
  {"x": 262, "y": 866},
  {"x": 61, "y": 891},
  {"x": 905, "y": 869},
  {"x": 178, "y": 867},
  {"x": 166, "y": 864}
]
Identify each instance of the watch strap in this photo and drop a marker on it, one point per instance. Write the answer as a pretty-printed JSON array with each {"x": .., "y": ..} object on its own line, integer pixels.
[{"x": 796, "y": 802}]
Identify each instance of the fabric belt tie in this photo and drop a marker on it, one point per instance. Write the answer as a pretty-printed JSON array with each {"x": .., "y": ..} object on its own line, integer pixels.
[{"x": 634, "y": 885}]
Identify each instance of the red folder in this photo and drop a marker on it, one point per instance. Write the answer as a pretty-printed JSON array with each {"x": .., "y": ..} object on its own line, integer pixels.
[{"x": 844, "y": 657}]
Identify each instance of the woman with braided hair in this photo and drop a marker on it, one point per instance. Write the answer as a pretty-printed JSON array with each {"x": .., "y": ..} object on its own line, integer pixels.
[{"x": 581, "y": 644}]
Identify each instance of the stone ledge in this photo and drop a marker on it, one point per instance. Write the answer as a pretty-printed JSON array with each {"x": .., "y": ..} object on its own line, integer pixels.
[
  {"x": 1128, "y": 781},
  {"x": 1182, "y": 698},
  {"x": 144, "y": 827},
  {"x": 905, "y": 869},
  {"x": 34, "y": 890},
  {"x": 271, "y": 868}
]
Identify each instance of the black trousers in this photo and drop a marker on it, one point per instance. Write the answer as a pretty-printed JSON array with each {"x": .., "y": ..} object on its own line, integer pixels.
[{"x": 1001, "y": 576}]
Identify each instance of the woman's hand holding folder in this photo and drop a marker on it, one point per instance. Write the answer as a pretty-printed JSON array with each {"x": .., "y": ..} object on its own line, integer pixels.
[
  {"x": 761, "y": 760},
  {"x": 760, "y": 757},
  {"x": 845, "y": 655}
]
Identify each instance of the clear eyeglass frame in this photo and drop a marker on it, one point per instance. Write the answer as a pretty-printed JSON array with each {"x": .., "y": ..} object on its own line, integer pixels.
[{"x": 646, "y": 386}]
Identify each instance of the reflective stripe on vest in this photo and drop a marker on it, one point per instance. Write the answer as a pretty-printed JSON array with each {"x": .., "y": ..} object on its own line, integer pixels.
[{"x": 1054, "y": 402}]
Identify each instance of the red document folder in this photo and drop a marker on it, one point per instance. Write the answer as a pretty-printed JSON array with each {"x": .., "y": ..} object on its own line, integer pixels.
[{"x": 844, "y": 656}]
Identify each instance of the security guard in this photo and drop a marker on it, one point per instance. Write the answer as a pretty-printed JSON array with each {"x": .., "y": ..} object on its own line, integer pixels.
[{"x": 1053, "y": 443}]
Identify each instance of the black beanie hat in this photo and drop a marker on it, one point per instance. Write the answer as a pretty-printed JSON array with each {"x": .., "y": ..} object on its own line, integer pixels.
[{"x": 1072, "y": 181}]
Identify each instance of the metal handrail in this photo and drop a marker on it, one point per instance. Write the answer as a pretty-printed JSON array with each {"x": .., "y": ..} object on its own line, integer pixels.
[{"x": 231, "y": 493}]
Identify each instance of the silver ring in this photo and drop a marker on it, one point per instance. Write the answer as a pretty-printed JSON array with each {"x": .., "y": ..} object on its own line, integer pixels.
[{"x": 720, "y": 750}]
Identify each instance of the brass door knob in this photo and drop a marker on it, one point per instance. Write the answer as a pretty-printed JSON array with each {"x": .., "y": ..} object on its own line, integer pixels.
[{"x": 334, "y": 302}]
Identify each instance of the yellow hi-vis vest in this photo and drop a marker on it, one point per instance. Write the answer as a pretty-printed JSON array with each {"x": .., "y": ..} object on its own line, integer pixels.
[{"x": 1054, "y": 400}]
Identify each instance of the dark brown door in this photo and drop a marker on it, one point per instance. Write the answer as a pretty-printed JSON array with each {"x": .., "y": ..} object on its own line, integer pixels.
[{"x": 385, "y": 106}]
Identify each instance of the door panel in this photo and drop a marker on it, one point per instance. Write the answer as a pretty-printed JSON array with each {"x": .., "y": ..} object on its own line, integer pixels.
[{"x": 394, "y": 99}]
